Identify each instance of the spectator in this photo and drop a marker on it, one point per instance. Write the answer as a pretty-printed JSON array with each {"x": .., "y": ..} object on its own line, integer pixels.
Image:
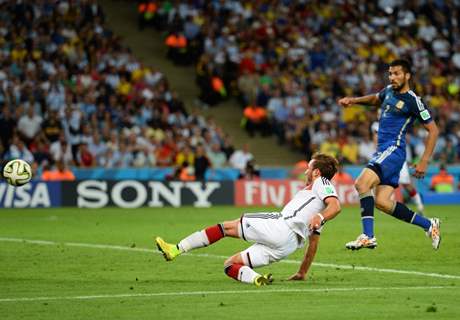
[
  {"x": 366, "y": 148},
  {"x": 298, "y": 172},
  {"x": 240, "y": 158},
  {"x": 52, "y": 127},
  {"x": 185, "y": 154},
  {"x": 182, "y": 172},
  {"x": 187, "y": 172},
  {"x": 341, "y": 177},
  {"x": 350, "y": 151},
  {"x": 18, "y": 150},
  {"x": 29, "y": 125},
  {"x": 443, "y": 182},
  {"x": 330, "y": 146},
  {"x": 41, "y": 155},
  {"x": 216, "y": 157},
  {"x": 448, "y": 154},
  {"x": 7, "y": 127},
  {"x": 251, "y": 172},
  {"x": 61, "y": 150},
  {"x": 59, "y": 173},
  {"x": 201, "y": 164},
  {"x": 255, "y": 119},
  {"x": 96, "y": 146},
  {"x": 85, "y": 158}
]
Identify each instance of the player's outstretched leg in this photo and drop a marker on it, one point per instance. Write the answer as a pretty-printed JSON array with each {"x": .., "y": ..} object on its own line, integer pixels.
[
  {"x": 245, "y": 274},
  {"x": 431, "y": 226},
  {"x": 435, "y": 233},
  {"x": 170, "y": 251},
  {"x": 240, "y": 268},
  {"x": 196, "y": 240}
]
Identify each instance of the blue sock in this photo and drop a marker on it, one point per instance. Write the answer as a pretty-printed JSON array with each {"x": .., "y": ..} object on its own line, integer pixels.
[
  {"x": 402, "y": 212},
  {"x": 421, "y": 221},
  {"x": 367, "y": 215}
]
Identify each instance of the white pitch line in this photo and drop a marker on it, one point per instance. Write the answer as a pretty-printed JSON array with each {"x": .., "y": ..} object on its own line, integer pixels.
[
  {"x": 195, "y": 293},
  {"x": 205, "y": 255}
]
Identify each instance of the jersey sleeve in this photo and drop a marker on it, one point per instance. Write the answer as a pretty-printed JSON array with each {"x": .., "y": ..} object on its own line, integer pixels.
[
  {"x": 375, "y": 127},
  {"x": 420, "y": 110},
  {"x": 324, "y": 188},
  {"x": 381, "y": 94}
]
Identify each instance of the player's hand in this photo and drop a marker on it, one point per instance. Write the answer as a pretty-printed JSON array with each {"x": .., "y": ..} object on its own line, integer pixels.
[
  {"x": 297, "y": 276},
  {"x": 420, "y": 169},
  {"x": 315, "y": 222},
  {"x": 346, "y": 102}
]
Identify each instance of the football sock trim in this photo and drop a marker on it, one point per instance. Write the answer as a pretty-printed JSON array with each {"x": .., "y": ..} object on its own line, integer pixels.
[{"x": 215, "y": 233}]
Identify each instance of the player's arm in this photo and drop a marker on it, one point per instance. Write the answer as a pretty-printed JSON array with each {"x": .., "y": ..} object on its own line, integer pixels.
[
  {"x": 330, "y": 212},
  {"x": 371, "y": 99},
  {"x": 308, "y": 257},
  {"x": 430, "y": 143}
]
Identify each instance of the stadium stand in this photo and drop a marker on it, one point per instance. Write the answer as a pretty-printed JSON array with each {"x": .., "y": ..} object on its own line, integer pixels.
[
  {"x": 71, "y": 93},
  {"x": 295, "y": 59}
]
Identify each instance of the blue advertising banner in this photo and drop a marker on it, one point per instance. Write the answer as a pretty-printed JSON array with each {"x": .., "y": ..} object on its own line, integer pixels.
[{"x": 32, "y": 195}]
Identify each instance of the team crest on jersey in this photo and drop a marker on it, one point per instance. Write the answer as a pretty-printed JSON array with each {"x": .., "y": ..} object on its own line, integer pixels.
[
  {"x": 400, "y": 104},
  {"x": 425, "y": 114},
  {"x": 329, "y": 190}
]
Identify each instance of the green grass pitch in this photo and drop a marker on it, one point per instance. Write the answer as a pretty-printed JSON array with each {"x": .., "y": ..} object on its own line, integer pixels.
[{"x": 71, "y": 277}]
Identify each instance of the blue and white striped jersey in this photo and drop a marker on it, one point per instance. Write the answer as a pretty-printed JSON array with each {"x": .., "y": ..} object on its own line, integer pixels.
[{"x": 398, "y": 113}]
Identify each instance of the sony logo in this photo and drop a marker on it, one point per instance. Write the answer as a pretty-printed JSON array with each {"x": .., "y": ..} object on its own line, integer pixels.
[{"x": 97, "y": 194}]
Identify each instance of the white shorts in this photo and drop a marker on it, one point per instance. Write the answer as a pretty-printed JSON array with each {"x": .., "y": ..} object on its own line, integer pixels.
[
  {"x": 404, "y": 175},
  {"x": 274, "y": 240}
]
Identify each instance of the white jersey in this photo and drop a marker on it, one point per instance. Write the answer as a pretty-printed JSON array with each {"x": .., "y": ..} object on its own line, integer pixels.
[{"x": 305, "y": 204}]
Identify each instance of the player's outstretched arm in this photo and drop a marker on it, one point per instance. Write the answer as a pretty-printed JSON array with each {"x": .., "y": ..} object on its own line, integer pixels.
[
  {"x": 330, "y": 212},
  {"x": 430, "y": 143},
  {"x": 371, "y": 99},
  {"x": 308, "y": 258}
]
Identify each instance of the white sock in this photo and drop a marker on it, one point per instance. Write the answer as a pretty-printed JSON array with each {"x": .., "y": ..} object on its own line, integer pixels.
[
  {"x": 196, "y": 240},
  {"x": 247, "y": 275},
  {"x": 418, "y": 202}
]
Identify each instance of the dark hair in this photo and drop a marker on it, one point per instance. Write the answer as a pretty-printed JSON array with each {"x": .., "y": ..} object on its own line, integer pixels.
[
  {"x": 403, "y": 63},
  {"x": 326, "y": 164}
]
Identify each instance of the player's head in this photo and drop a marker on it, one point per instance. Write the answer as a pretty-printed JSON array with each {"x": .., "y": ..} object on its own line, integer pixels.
[
  {"x": 321, "y": 165},
  {"x": 399, "y": 74}
]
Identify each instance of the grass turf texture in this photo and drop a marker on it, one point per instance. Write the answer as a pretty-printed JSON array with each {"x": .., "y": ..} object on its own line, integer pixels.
[{"x": 59, "y": 270}]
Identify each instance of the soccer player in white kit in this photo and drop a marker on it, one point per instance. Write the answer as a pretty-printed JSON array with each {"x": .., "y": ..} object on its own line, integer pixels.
[{"x": 277, "y": 234}]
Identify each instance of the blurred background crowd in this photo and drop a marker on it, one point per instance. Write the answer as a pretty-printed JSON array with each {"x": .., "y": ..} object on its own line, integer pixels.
[
  {"x": 287, "y": 62},
  {"x": 72, "y": 95}
]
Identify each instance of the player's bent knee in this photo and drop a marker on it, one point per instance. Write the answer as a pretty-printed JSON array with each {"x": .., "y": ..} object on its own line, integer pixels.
[
  {"x": 231, "y": 228},
  {"x": 384, "y": 205},
  {"x": 362, "y": 186},
  {"x": 235, "y": 259}
]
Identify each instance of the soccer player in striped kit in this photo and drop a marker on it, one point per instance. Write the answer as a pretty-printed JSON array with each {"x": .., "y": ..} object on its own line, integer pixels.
[
  {"x": 277, "y": 234},
  {"x": 400, "y": 107}
]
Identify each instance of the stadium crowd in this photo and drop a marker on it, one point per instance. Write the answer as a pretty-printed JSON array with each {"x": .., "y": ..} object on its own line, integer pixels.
[
  {"x": 72, "y": 95},
  {"x": 288, "y": 62}
]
